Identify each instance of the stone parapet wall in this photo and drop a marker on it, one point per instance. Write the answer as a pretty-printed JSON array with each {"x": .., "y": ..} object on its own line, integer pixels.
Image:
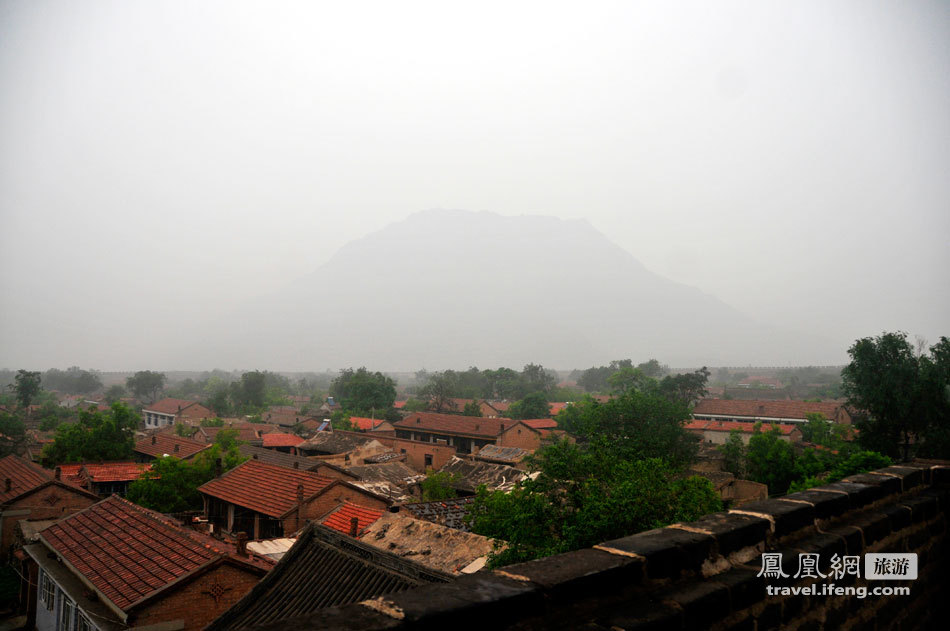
[{"x": 705, "y": 574}]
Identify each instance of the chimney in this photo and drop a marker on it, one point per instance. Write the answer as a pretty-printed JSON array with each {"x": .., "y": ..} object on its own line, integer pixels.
[
  {"x": 477, "y": 426},
  {"x": 296, "y": 464},
  {"x": 418, "y": 419},
  {"x": 217, "y": 467},
  {"x": 153, "y": 439},
  {"x": 241, "y": 544},
  {"x": 354, "y": 526},
  {"x": 300, "y": 493},
  {"x": 8, "y": 484},
  {"x": 58, "y": 473},
  {"x": 176, "y": 447},
  {"x": 254, "y": 457}
]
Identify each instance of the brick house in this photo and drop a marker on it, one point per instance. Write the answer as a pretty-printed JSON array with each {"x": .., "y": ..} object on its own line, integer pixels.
[
  {"x": 467, "y": 434},
  {"x": 31, "y": 492},
  {"x": 116, "y": 565},
  {"x": 267, "y": 501},
  {"x": 104, "y": 478},
  {"x": 751, "y": 411},
  {"x": 170, "y": 411},
  {"x": 717, "y": 432}
]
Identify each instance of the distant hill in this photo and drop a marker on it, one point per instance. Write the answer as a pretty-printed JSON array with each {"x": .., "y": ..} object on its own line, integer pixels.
[{"x": 452, "y": 289}]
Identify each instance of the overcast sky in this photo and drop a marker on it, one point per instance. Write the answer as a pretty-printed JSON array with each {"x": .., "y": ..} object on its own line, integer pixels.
[{"x": 162, "y": 159}]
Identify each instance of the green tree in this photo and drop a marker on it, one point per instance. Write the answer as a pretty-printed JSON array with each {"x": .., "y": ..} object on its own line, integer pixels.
[
  {"x": 534, "y": 405},
  {"x": 95, "y": 436},
  {"x": 146, "y": 385},
  {"x": 12, "y": 434},
  {"x": 771, "y": 460},
  {"x": 653, "y": 368},
  {"x": 905, "y": 394},
  {"x": 438, "y": 485},
  {"x": 733, "y": 452},
  {"x": 627, "y": 379},
  {"x": 472, "y": 408},
  {"x": 437, "y": 392},
  {"x": 584, "y": 495},
  {"x": 73, "y": 380},
  {"x": 636, "y": 425},
  {"x": 115, "y": 393},
  {"x": 686, "y": 388},
  {"x": 594, "y": 379},
  {"x": 361, "y": 392},
  {"x": 26, "y": 387}
]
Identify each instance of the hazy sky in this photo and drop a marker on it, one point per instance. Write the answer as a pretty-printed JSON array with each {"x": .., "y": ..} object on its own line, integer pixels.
[{"x": 160, "y": 160}]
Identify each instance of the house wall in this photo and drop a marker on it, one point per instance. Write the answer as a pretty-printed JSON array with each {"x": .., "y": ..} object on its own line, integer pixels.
[
  {"x": 51, "y": 502},
  {"x": 195, "y": 603},
  {"x": 520, "y": 436},
  {"x": 416, "y": 452},
  {"x": 327, "y": 501}
]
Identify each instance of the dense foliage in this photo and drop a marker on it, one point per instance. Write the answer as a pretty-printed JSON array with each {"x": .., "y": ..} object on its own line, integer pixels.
[
  {"x": 905, "y": 394},
  {"x": 146, "y": 385},
  {"x": 95, "y": 436},
  {"x": 438, "y": 485},
  {"x": 364, "y": 393},
  {"x": 503, "y": 383}
]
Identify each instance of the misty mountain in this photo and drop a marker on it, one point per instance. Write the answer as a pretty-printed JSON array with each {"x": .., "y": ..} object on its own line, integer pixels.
[{"x": 452, "y": 289}]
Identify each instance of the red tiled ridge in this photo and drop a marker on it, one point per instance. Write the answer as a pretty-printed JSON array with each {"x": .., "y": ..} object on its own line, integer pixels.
[
  {"x": 281, "y": 440},
  {"x": 70, "y": 473},
  {"x": 341, "y": 518},
  {"x": 23, "y": 476},
  {"x": 117, "y": 471},
  {"x": 165, "y": 444},
  {"x": 454, "y": 424},
  {"x": 169, "y": 406},
  {"x": 127, "y": 552},
  {"x": 265, "y": 488},
  {"x": 366, "y": 424},
  {"x": 728, "y": 426},
  {"x": 769, "y": 409},
  {"x": 540, "y": 423}
]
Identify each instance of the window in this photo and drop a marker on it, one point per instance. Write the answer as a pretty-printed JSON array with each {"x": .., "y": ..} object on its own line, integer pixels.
[
  {"x": 66, "y": 614},
  {"x": 428, "y": 458},
  {"x": 47, "y": 591},
  {"x": 84, "y": 623}
]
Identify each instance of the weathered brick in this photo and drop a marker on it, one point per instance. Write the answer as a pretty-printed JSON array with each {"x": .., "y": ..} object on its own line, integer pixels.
[
  {"x": 825, "y": 546},
  {"x": 826, "y": 504},
  {"x": 921, "y": 507},
  {"x": 745, "y": 587},
  {"x": 910, "y": 476},
  {"x": 644, "y": 615},
  {"x": 581, "y": 574},
  {"x": 668, "y": 551},
  {"x": 875, "y": 526},
  {"x": 733, "y": 531},
  {"x": 852, "y": 537},
  {"x": 899, "y": 516},
  {"x": 888, "y": 485},
  {"x": 859, "y": 495},
  {"x": 788, "y": 516},
  {"x": 702, "y": 603}
]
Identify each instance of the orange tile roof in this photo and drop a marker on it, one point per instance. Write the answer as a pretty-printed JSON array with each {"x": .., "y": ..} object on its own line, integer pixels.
[
  {"x": 169, "y": 406},
  {"x": 366, "y": 424},
  {"x": 117, "y": 471},
  {"x": 728, "y": 426},
  {"x": 765, "y": 408},
  {"x": 265, "y": 488},
  {"x": 71, "y": 473},
  {"x": 454, "y": 424},
  {"x": 128, "y": 552},
  {"x": 23, "y": 476},
  {"x": 281, "y": 440},
  {"x": 162, "y": 443},
  {"x": 340, "y": 518},
  {"x": 540, "y": 423}
]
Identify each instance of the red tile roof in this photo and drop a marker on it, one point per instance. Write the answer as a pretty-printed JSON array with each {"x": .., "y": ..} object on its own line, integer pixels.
[
  {"x": 366, "y": 424},
  {"x": 169, "y": 406},
  {"x": 340, "y": 518},
  {"x": 400, "y": 404},
  {"x": 71, "y": 473},
  {"x": 540, "y": 423},
  {"x": 728, "y": 426},
  {"x": 454, "y": 424},
  {"x": 765, "y": 381},
  {"x": 265, "y": 488},
  {"x": 161, "y": 444},
  {"x": 117, "y": 471},
  {"x": 128, "y": 552},
  {"x": 765, "y": 409},
  {"x": 23, "y": 475},
  {"x": 281, "y": 440}
]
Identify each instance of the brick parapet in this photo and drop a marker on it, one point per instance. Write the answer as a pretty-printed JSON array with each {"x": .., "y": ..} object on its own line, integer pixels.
[{"x": 703, "y": 574}]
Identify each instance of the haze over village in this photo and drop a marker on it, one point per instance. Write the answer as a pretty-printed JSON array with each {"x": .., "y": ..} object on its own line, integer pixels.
[{"x": 511, "y": 315}]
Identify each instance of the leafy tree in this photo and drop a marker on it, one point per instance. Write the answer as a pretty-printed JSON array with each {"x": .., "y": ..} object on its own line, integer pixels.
[
  {"x": 438, "y": 485},
  {"x": 771, "y": 460},
  {"x": 26, "y": 387},
  {"x": 212, "y": 422},
  {"x": 581, "y": 496},
  {"x": 12, "y": 434},
  {"x": 535, "y": 405},
  {"x": 594, "y": 379},
  {"x": 146, "y": 385},
  {"x": 627, "y": 379},
  {"x": 636, "y": 425},
  {"x": 114, "y": 393},
  {"x": 415, "y": 405},
  {"x": 362, "y": 392},
  {"x": 905, "y": 394},
  {"x": 438, "y": 392},
  {"x": 172, "y": 484},
  {"x": 686, "y": 388},
  {"x": 472, "y": 408},
  {"x": 341, "y": 420},
  {"x": 653, "y": 368},
  {"x": 733, "y": 452},
  {"x": 95, "y": 436},
  {"x": 249, "y": 392},
  {"x": 73, "y": 380}
]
